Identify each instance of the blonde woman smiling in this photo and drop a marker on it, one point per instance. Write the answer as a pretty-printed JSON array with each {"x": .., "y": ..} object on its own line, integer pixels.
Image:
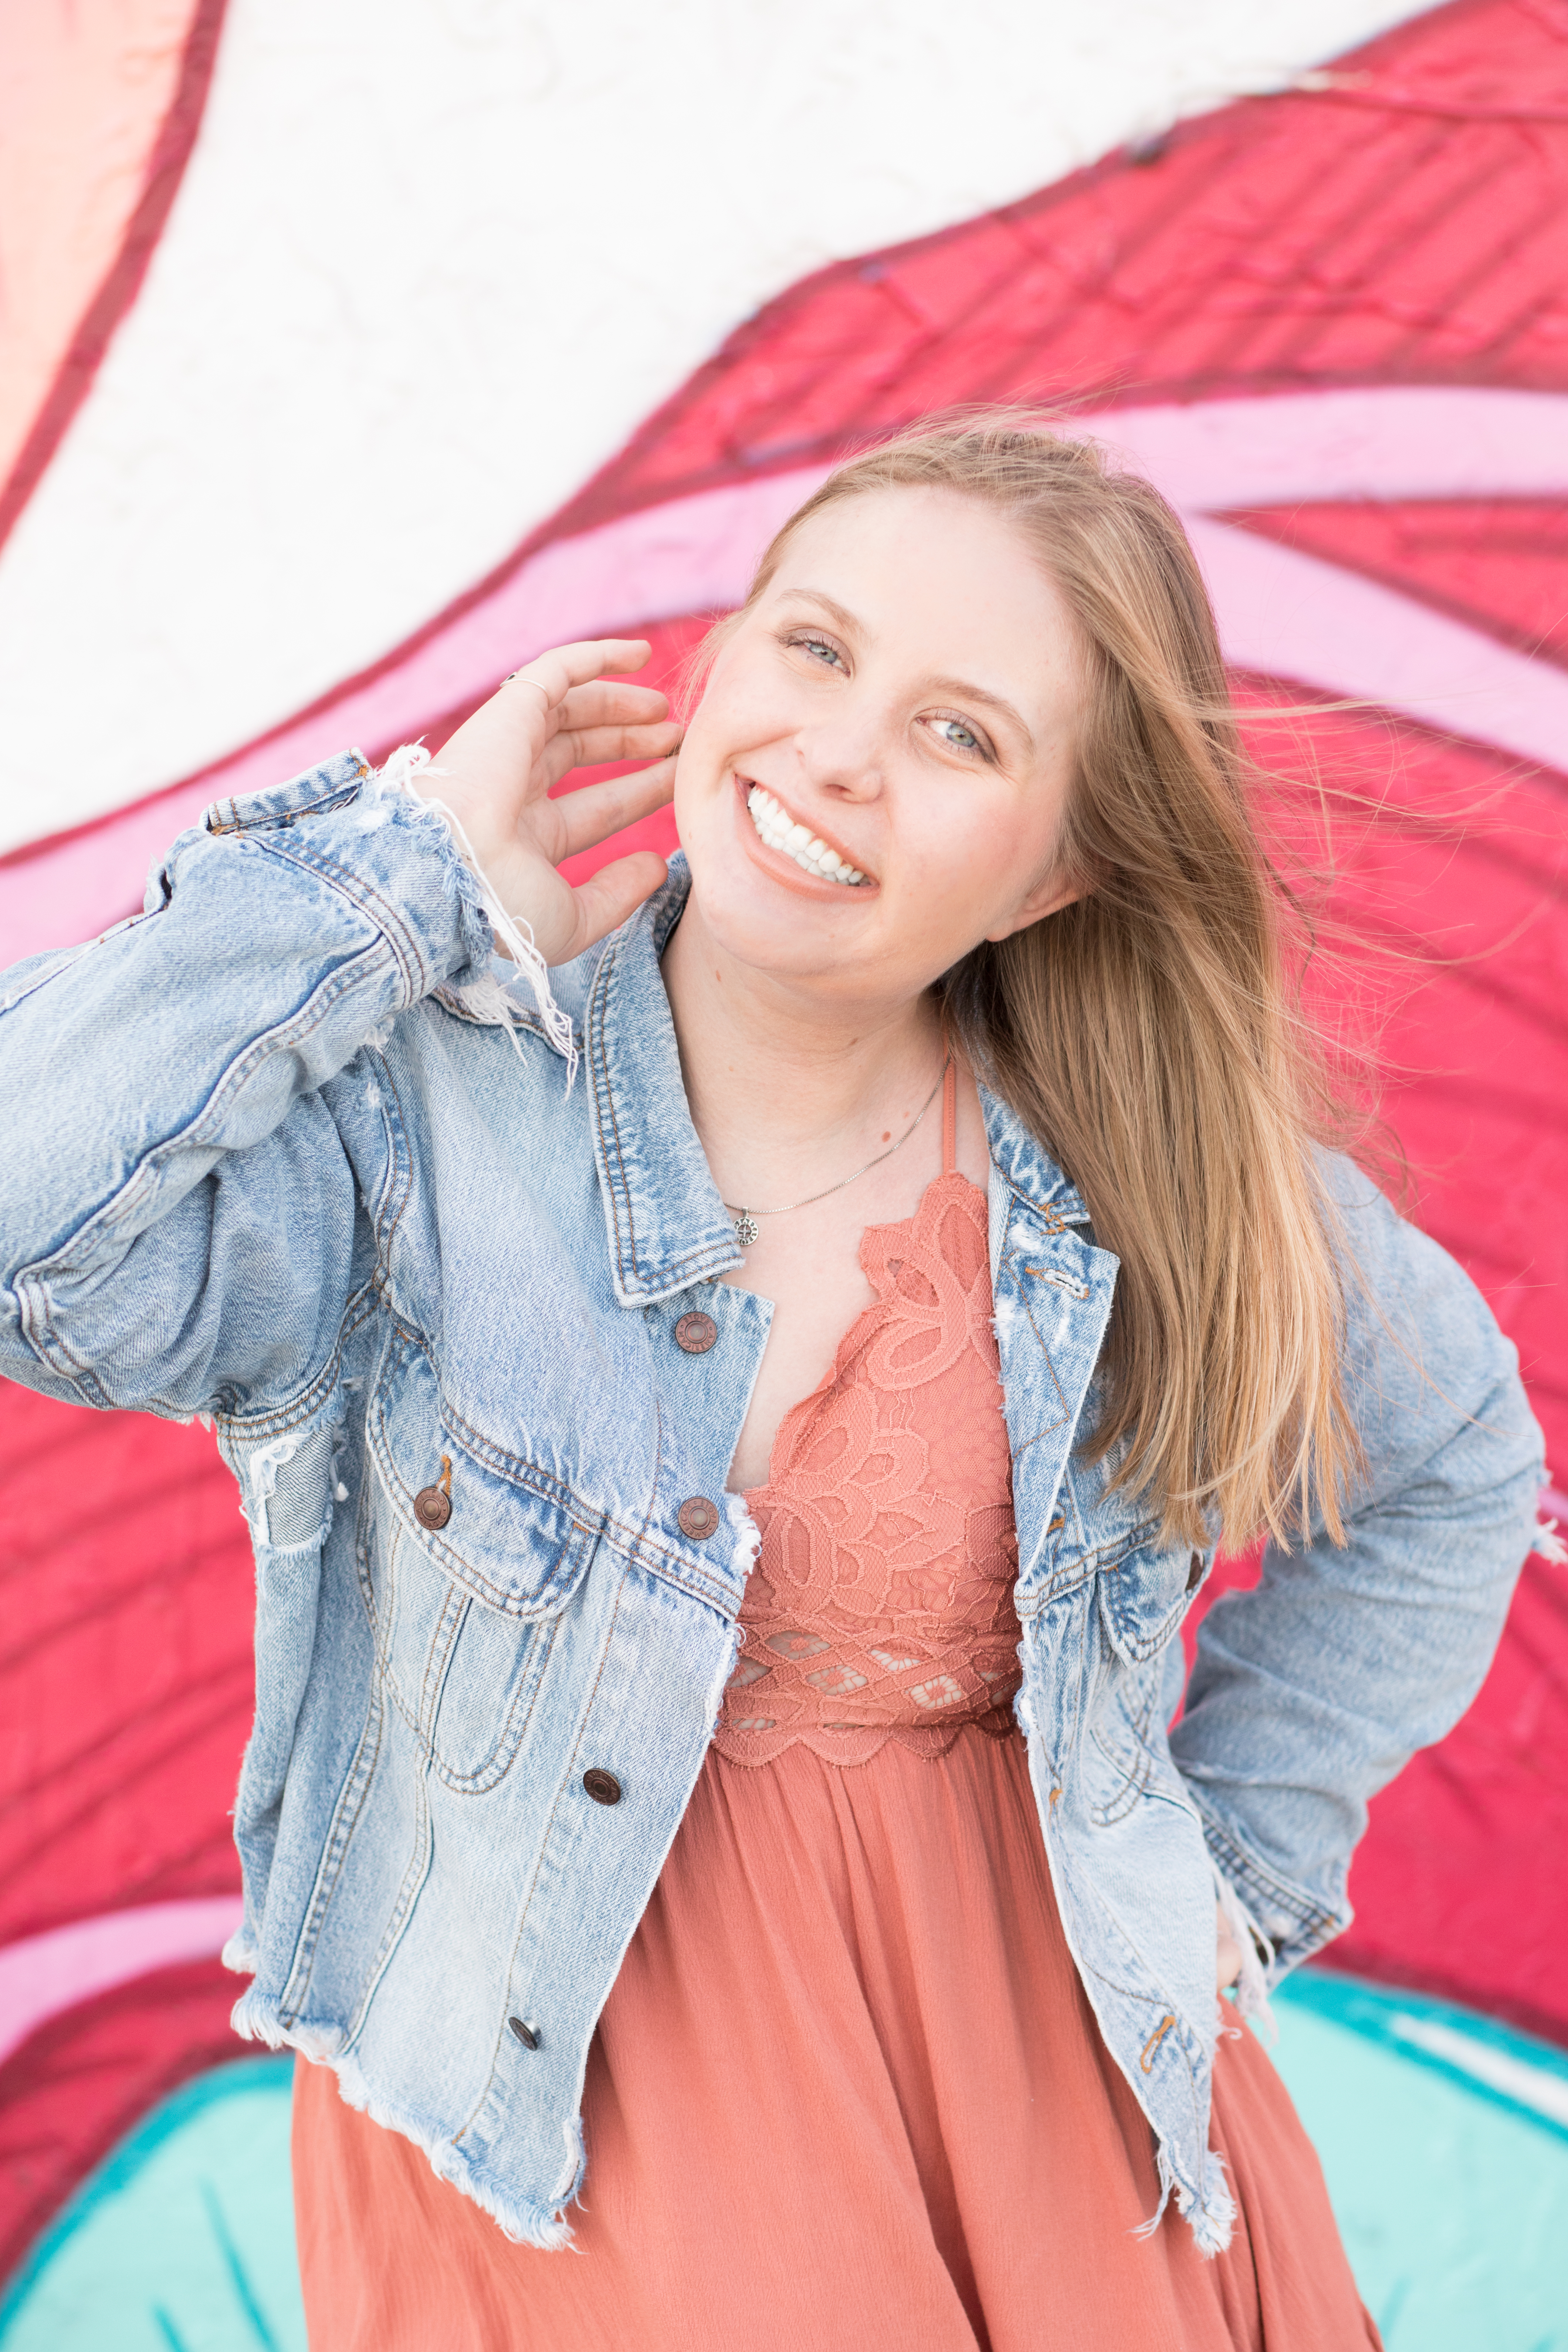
[{"x": 733, "y": 1406}]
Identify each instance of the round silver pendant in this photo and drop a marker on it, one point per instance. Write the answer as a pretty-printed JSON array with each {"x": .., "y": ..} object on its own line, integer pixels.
[{"x": 746, "y": 1229}]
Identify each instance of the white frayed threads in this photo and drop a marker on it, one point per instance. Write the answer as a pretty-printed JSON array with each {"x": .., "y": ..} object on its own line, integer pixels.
[
  {"x": 240, "y": 1953},
  {"x": 339, "y": 1447},
  {"x": 1211, "y": 2218},
  {"x": 485, "y": 997},
  {"x": 262, "y": 1468},
  {"x": 748, "y": 1544},
  {"x": 1145, "y": 2230},
  {"x": 1548, "y": 1545},
  {"x": 487, "y": 1000}
]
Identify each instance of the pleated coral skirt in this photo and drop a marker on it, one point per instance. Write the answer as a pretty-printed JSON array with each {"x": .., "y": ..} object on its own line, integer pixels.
[{"x": 846, "y": 2093}]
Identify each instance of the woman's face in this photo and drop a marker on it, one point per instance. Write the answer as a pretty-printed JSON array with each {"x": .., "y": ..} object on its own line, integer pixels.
[{"x": 905, "y": 689}]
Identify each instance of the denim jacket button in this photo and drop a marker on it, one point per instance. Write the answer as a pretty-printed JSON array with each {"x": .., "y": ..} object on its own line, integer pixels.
[
  {"x": 431, "y": 1508},
  {"x": 696, "y": 1334},
  {"x": 1195, "y": 1573},
  {"x": 697, "y": 1517},
  {"x": 525, "y": 2033},
  {"x": 603, "y": 1786}
]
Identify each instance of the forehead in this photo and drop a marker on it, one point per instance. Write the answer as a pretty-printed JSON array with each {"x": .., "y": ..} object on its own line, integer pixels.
[{"x": 938, "y": 581}]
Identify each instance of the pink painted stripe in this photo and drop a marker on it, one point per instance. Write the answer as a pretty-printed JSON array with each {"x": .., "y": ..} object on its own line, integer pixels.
[
  {"x": 1289, "y": 615},
  {"x": 1282, "y": 613},
  {"x": 44, "y": 1975},
  {"x": 1368, "y": 441}
]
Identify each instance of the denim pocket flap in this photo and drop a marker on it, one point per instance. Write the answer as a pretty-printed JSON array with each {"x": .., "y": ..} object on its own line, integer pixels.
[
  {"x": 1143, "y": 1595},
  {"x": 511, "y": 1535}
]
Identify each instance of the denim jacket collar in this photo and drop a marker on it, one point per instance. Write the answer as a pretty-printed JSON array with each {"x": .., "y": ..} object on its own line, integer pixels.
[
  {"x": 667, "y": 1227},
  {"x": 1026, "y": 1169},
  {"x": 666, "y": 1224}
]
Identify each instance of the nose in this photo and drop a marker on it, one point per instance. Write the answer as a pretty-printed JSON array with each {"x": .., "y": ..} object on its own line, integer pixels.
[{"x": 843, "y": 751}]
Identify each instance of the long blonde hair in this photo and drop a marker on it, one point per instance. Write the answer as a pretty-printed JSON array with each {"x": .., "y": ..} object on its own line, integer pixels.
[{"x": 1149, "y": 1033}]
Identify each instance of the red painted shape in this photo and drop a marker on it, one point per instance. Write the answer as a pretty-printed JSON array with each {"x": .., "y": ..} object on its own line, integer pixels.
[
  {"x": 165, "y": 169},
  {"x": 126, "y": 1682},
  {"x": 1409, "y": 229},
  {"x": 1459, "y": 1885}
]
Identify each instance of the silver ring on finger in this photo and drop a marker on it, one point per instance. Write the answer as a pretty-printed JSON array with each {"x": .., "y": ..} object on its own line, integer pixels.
[{"x": 512, "y": 674}]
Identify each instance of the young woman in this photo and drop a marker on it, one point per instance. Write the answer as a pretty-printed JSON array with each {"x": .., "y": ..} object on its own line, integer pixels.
[{"x": 731, "y": 1423}]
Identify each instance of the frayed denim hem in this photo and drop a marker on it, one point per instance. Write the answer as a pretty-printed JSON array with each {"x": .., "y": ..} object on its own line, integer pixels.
[
  {"x": 1210, "y": 2216},
  {"x": 255, "y": 2019}
]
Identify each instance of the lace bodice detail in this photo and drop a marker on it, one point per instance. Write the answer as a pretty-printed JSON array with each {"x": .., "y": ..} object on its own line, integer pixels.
[{"x": 881, "y": 1604}]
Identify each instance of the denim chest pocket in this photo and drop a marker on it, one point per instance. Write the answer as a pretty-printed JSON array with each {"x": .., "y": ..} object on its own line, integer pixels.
[
  {"x": 1143, "y": 1597},
  {"x": 466, "y": 1567},
  {"x": 1141, "y": 1602}
]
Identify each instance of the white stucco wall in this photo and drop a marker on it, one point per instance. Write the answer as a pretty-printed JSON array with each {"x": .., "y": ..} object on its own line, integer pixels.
[{"x": 432, "y": 262}]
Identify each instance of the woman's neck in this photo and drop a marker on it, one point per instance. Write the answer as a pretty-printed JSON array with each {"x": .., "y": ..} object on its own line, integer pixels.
[{"x": 788, "y": 1090}]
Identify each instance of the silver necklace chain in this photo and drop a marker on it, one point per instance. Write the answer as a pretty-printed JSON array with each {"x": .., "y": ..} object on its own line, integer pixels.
[{"x": 747, "y": 1230}]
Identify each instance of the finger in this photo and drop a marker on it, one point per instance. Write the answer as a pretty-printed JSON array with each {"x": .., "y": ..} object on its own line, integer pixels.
[
  {"x": 565, "y": 666},
  {"x": 616, "y": 891},
  {"x": 598, "y": 810},
  {"x": 612, "y": 702},
  {"x": 592, "y": 747}
]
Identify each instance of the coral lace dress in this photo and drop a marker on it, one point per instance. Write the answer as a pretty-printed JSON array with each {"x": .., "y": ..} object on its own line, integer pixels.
[{"x": 846, "y": 2091}]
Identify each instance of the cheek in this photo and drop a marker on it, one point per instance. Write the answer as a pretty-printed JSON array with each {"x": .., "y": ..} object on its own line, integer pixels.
[
  {"x": 697, "y": 809},
  {"x": 964, "y": 865},
  {"x": 748, "y": 704},
  {"x": 700, "y": 773}
]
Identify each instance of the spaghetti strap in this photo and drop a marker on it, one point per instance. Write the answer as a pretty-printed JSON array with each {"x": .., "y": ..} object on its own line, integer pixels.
[{"x": 950, "y": 1118}]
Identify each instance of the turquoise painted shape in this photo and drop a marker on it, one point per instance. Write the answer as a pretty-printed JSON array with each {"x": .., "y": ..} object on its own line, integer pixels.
[
  {"x": 183, "y": 2240},
  {"x": 1444, "y": 2138}
]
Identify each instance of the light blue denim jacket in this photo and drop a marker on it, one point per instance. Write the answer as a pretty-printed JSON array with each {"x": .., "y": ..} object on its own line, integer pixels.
[{"x": 272, "y": 1158}]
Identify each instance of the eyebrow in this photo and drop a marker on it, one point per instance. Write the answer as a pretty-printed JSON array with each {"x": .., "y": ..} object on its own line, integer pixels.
[{"x": 962, "y": 688}]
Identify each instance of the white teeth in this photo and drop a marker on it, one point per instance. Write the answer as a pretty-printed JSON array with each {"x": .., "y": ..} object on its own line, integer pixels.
[{"x": 780, "y": 832}]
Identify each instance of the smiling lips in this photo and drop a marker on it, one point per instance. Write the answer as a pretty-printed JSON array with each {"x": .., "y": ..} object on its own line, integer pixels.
[{"x": 779, "y": 832}]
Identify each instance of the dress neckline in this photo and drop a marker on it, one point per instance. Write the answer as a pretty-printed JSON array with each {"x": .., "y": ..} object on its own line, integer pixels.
[{"x": 852, "y": 1340}]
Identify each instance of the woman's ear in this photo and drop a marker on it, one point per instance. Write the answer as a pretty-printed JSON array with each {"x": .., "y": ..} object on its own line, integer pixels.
[{"x": 1054, "y": 891}]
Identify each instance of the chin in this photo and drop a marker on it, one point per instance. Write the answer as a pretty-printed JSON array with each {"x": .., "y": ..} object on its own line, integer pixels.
[{"x": 761, "y": 927}]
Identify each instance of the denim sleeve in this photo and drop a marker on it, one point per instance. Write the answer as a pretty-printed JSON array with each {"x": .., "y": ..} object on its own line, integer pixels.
[
  {"x": 181, "y": 1207},
  {"x": 1312, "y": 1691}
]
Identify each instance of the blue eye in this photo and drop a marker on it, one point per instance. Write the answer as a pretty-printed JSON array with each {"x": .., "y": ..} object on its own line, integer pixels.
[
  {"x": 961, "y": 738},
  {"x": 818, "y": 646}
]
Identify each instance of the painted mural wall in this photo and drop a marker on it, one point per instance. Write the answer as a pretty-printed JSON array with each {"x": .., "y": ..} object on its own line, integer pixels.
[{"x": 349, "y": 354}]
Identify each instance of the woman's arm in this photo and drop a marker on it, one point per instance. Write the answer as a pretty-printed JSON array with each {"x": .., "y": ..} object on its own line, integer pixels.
[
  {"x": 176, "y": 1202},
  {"x": 180, "y": 1180},
  {"x": 1310, "y": 1693}
]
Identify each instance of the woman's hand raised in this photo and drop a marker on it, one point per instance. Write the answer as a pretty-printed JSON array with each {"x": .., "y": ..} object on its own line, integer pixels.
[{"x": 564, "y": 710}]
